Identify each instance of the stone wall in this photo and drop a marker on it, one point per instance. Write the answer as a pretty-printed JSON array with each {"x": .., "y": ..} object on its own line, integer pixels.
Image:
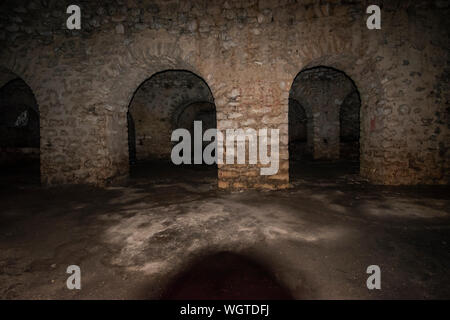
[{"x": 249, "y": 53}]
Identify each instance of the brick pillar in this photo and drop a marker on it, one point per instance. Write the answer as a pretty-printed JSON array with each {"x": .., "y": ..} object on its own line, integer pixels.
[{"x": 255, "y": 105}]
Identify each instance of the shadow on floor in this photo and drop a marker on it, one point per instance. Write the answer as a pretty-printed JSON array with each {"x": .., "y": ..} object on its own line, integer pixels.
[
  {"x": 20, "y": 174},
  {"x": 167, "y": 171},
  {"x": 311, "y": 170},
  {"x": 226, "y": 276}
]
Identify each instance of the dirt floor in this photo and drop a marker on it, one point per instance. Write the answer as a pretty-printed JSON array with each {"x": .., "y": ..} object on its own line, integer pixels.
[{"x": 169, "y": 233}]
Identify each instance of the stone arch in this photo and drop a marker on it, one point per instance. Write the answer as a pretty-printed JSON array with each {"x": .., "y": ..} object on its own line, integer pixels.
[
  {"x": 48, "y": 86},
  {"x": 133, "y": 73},
  {"x": 322, "y": 90},
  {"x": 143, "y": 59},
  {"x": 154, "y": 107},
  {"x": 367, "y": 79},
  {"x": 121, "y": 96},
  {"x": 19, "y": 125},
  {"x": 130, "y": 66}
]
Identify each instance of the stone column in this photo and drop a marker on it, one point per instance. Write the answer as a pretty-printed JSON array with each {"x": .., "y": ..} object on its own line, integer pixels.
[{"x": 255, "y": 105}]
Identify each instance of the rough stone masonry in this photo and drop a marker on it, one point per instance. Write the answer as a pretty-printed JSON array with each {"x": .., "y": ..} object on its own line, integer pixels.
[{"x": 248, "y": 53}]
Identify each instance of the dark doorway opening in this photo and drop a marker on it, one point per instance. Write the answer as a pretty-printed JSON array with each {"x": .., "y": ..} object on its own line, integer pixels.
[
  {"x": 167, "y": 101},
  {"x": 324, "y": 126},
  {"x": 19, "y": 134}
]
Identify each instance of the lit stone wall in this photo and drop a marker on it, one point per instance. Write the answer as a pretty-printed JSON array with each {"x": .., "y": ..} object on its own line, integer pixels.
[{"x": 248, "y": 52}]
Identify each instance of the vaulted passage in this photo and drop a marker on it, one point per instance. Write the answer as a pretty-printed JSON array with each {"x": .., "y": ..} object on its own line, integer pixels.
[
  {"x": 19, "y": 134},
  {"x": 324, "y": 124},
  {"x": 167, "y": 101}
]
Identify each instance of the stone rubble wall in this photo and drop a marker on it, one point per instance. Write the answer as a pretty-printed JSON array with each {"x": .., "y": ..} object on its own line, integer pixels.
[{"x": 249, "y": 53}]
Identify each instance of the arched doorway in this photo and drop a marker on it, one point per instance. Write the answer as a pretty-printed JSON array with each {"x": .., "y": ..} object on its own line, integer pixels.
[
  {"x": 167, "y": 101},
  {"x": 324, "y": 124},
  {"x": 19, "y": 134}
]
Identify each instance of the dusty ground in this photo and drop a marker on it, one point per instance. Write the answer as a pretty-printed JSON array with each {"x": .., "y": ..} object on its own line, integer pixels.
[{"x": 176, "y": 236}]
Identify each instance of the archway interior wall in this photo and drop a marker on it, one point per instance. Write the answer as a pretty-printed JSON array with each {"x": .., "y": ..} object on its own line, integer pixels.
[
  {"x": 349, "y": 120},
  {"x": 19, "y": 123},
  {"x": 153, "y": 107},
  {"x": 203, "y": 112},
  {"x": 193, "y": 111},
  {"x": 300, "y": 127},
  {"x": 323, "y": 91}
]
